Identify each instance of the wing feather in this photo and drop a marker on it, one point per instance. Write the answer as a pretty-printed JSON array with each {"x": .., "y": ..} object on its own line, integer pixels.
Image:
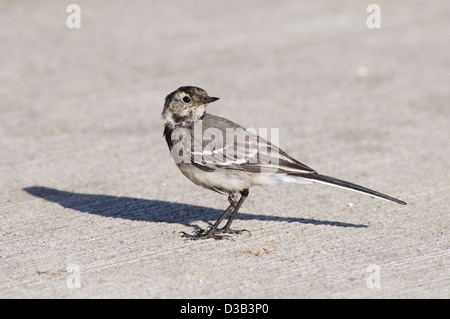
[{"x": 230, "y": 146}]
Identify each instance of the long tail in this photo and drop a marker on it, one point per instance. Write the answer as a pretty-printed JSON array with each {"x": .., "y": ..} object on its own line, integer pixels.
[{"x": 347, "y": 185}]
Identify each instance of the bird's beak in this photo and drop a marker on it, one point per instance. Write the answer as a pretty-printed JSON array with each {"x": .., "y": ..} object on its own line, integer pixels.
[{"x": 209, "y": 99}]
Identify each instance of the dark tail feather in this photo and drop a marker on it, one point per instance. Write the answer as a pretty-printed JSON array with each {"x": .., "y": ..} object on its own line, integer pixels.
[{"x": 340, "y": 183}]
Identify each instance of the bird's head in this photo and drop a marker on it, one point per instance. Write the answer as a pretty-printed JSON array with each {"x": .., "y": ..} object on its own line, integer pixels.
[{"x": 186, "y": 104}]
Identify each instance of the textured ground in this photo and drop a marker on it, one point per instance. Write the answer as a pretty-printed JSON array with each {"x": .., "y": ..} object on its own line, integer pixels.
[{"x": 92, "y": 206}]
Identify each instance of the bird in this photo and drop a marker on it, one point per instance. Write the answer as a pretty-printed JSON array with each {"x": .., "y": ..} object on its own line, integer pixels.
[{"x": 222, "y": 156}]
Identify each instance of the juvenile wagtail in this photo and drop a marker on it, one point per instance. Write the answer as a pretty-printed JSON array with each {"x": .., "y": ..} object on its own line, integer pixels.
[{"x": 222, "y": 156}]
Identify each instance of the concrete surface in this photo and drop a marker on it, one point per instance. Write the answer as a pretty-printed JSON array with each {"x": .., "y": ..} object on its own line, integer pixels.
[{"x": 91, "y": 204}]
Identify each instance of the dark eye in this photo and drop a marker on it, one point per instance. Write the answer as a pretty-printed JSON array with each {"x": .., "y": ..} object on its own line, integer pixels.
[{"x": 186, "y": 99}]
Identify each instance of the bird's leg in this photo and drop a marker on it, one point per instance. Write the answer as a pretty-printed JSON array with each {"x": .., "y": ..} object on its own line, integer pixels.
[
  {"x": 226, "y": 229},
  {"x": 212, "y": 232}
]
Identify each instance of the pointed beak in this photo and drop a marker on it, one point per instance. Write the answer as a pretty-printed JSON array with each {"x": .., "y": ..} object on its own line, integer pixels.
[{"x": 209, "y": 99}]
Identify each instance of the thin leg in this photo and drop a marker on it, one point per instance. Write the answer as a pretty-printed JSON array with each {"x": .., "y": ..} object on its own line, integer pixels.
[
  {"x": 226, "y": 228},
  {"x": 212, "y": 232}
]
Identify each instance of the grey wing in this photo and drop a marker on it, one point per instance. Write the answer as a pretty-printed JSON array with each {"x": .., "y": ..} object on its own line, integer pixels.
[{"x": 226, "y": 145}]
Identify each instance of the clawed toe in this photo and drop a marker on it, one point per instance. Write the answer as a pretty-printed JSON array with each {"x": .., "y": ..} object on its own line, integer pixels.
[
  {"x": 205, "y": 235},
  {"x": 226, "y": 230},
  {"x": 202, "y": 234}
]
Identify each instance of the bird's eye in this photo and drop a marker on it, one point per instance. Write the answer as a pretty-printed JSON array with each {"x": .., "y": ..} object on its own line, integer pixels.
[{"x": 186, "y": 99}]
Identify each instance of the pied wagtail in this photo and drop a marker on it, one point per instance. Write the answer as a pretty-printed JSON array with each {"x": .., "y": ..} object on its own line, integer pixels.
[{"x": 234, "y": 160}]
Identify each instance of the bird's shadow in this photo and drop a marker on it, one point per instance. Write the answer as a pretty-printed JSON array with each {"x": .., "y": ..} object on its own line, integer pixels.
[{"x": 150, "y": 210}]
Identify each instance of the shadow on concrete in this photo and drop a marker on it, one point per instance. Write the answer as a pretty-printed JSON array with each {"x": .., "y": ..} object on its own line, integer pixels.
[{"x": 153, "y": 210}]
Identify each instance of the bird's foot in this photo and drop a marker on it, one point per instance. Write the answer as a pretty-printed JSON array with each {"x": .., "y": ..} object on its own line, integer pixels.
[
  {"x": 227, "y": 230},
  {"x": 205, "y": 235}
]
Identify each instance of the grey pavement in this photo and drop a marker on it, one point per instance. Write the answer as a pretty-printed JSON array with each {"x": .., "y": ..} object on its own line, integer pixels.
[{"x": 91, "y": 204}]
